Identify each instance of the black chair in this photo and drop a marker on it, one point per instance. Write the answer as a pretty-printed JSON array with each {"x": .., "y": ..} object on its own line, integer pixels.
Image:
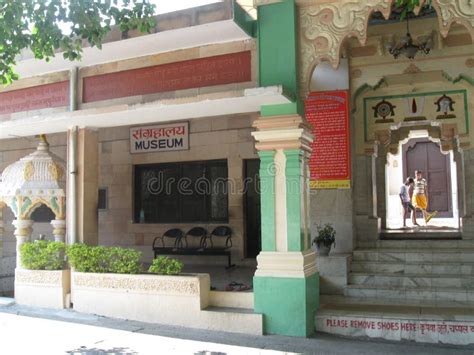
[
  {"x": 222, "y": 232},
  {"x": 174, "y": 234},
  {"x": 196, "y": 232}
]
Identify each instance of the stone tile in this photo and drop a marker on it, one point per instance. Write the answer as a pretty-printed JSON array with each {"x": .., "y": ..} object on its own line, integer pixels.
[
  {"x": 391, "y": 256},
  {"x": 457, "y": 295},
  {"x": 386, "y": 293},
  {"x": 447, "y": 282},
  {"x": 362, "y": 280},
  {"x": 390, "y": 281},
  {"x": 419, "y": 269},
  {"x": 451, "y": 269},
  {"x": 361, "y": 293},
  {"x": 417, "y": 282},
  {"x": 419, "y": 257},
  {"x": 425, "y": 295},
  {"x": 365, "y": 256}
]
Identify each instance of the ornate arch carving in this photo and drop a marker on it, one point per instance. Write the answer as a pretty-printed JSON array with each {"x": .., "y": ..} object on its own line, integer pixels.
[{"x": 323, "y": 27}]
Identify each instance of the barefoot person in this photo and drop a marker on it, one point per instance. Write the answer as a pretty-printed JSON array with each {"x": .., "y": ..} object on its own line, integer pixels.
[
  {"x": 420, "y": 196},
  {"x": 406, "y": 202}
]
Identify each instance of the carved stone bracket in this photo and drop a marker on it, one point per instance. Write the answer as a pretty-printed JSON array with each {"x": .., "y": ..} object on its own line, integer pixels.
[
  {"x": 446, "y": 134},
  {"x": 323, "y": 27}
]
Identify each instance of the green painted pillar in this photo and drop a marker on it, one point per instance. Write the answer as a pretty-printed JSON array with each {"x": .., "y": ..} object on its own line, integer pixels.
[
  {"x": 267, "y": 199},
  {"x": 286, "y": 283},
  {"x": 278, "y": 53}
]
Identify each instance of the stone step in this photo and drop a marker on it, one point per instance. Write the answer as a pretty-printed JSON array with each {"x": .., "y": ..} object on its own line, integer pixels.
[
  {"x": 427, "y": 268},
  {"x": 421, "y": 324},
  {"x": 412, "y": 280},
  {"x": 226, "y": 299},
  {"x": 423, "y": 244},
  {"x": 374, "y": 301},
  {"x": 234, "y": 320},
  {"x": 420, "y": 235},
  {"x": 413, "y": 294},
  {"x": 414, "y": 255}
]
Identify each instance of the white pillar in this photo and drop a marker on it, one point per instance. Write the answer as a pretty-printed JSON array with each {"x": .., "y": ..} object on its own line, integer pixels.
[
  {"x": 59, "y": 229},
  {"x": 23, "y": 229}
]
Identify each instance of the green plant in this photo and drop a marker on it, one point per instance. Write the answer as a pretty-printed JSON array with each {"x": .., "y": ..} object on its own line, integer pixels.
[
  {"x": 43, "y": 255},
  {"x": 165, "y": 266},
  {"x": 100, "y": 259},
  {"x": 326, "y": 235},
  {"x": 409, "y": 6}
]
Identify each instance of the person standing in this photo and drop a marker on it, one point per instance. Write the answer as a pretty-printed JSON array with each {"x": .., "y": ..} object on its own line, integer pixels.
[
  {"x": 406, "y": 202},
  {"x": 420, "y": 196}
]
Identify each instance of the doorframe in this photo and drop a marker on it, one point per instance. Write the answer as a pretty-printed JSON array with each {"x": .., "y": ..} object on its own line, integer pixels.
[
  {"x": 244, "y": 207},
  {"x": 411, "y": 144}
]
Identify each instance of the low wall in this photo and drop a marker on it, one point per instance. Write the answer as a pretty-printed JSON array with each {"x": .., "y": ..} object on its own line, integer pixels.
[
  {"x": 174, "y": 300},
  {"x": 42, "y": 288}
]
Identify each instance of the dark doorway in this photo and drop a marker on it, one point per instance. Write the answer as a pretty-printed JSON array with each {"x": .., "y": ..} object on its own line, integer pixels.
[
  {"x": 253, "y": 244},
  {"x": 422, "y": 154}
]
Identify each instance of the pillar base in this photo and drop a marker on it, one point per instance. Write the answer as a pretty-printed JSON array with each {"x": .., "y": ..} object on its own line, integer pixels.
[{"x": 286, "y": 291}]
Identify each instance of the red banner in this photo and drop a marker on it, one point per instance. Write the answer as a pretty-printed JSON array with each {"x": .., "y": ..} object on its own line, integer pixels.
[
  {"x": 195, "y": 73},
  {"x": 35, "y": 98},
  {"x": 330, "y": 163}
]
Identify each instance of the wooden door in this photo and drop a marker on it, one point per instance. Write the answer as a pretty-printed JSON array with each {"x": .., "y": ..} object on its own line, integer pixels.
[{"x": 422, "y": 154}]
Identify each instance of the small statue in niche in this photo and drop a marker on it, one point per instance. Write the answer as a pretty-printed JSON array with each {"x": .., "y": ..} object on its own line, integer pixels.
[
  {"x": 445, "y": 104},
  {"x": 384, "y": 109}
]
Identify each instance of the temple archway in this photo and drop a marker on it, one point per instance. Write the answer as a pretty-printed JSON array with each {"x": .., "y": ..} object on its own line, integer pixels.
[{"x": 35, "y": 180}]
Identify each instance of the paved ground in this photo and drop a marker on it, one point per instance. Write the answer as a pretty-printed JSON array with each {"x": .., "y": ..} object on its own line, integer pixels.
[{"x": 27, "y": 330}]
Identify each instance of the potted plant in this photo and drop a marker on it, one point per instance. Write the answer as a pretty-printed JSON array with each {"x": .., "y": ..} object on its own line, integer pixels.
[{"x": 325, "y": 239}]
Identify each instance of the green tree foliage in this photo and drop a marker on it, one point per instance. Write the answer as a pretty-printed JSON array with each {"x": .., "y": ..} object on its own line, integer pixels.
[
  {"x": 48, "y": 26},
  {"x": 43, "y": 255},
  {"x": 408, "y": 6}
]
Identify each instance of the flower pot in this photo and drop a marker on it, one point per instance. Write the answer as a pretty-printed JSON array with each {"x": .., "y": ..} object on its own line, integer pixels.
[{"x": 324, "y": 250}]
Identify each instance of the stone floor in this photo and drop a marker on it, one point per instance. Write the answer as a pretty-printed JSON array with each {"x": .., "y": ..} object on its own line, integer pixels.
[
  {"x": 397, "y": 223},
  {"x": 65, "y": 331},
  {"x": 221, "y": 278}
]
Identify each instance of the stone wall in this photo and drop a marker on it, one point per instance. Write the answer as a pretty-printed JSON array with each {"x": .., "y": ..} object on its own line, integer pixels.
[
  {"x": 217, "y": 138},
  {"x": 210, "y": 138}
]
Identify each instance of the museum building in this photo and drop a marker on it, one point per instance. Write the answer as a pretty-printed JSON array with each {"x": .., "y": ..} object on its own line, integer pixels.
[{"x": 271, "y": 118}]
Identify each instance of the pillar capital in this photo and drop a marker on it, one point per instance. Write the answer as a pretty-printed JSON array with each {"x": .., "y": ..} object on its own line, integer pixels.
[
  {"x": 23, "y": 227},
  {"x": 59, "y": 229},
  {"x": 282, "y": 132}
]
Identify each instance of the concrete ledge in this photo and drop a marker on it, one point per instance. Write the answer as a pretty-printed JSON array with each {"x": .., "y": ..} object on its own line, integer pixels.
[
  {"x": 333, "y": 272},
  {"x": 181, "y": 300},
  {"x": 231, "y": 299},
  {"x": 175, "y": 300},
  {"x": 42, "y": 288}
]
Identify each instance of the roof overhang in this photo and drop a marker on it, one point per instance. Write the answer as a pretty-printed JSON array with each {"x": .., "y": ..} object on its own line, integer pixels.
[
  {"x": 189, "y": 37},
  {"x": 205, "y": 105},
  {"x": 202, "y": 31}
]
